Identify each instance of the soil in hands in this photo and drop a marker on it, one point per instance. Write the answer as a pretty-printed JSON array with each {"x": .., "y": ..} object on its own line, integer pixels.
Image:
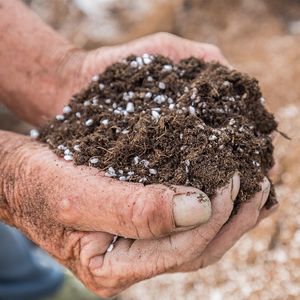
[{"x": 149, "y": 120}]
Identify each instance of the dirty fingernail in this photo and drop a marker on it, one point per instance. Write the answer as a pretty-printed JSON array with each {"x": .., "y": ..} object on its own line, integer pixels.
[
  {"x": 191, "y": 209},
  {"x": 266, "y": 186},
  {"x": 235, "y": 186}
]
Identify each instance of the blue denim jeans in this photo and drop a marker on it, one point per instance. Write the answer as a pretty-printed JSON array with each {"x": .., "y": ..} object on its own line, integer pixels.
[{"x": 26, "y": 273}]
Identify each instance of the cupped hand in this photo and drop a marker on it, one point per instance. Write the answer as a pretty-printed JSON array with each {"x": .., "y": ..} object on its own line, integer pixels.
[
  {"x": 75, "y": 213},
  {"x": 79, "y": 66}
]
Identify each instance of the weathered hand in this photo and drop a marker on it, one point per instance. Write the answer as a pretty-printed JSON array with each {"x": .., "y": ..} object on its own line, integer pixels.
[
  {"x": 79, "y": 66},
  {"x": 75, "y": 212}
]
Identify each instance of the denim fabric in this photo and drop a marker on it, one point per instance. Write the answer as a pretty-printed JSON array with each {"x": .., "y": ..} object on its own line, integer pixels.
[{"x": 26, "y": 272}]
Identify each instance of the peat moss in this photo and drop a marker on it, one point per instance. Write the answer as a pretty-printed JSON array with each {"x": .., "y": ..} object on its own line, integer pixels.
[{"x": 149, "y": 120}]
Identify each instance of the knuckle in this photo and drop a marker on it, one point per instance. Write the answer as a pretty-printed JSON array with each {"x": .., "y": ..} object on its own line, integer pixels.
[
  {"x": 66, "y": 212},
  {"x": 144, "y": 216}
]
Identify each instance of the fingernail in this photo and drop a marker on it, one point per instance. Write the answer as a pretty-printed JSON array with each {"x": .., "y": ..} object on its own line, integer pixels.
[
  {"x": 235, "y": 186},
  {"x": 266, "y": 186},
  {"x": 191, "y": 209}
]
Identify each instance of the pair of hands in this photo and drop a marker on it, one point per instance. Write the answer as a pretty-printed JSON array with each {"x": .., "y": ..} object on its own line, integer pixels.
[{"x": 75, "y": 212}]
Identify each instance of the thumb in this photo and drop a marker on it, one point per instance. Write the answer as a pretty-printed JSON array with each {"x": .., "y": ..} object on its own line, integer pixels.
[{"x": 132, "y": 210}]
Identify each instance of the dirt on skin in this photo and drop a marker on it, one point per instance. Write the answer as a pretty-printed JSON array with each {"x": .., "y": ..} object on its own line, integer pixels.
[{"x": 148, "y": 120}]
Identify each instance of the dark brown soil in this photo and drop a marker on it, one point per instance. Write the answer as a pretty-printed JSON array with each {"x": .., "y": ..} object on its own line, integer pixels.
[{"x": 148, "y": 120}]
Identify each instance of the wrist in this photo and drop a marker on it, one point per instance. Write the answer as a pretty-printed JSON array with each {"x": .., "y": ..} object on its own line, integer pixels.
[
  {"x": 10, "y": 154},
  {"x": 34, "y": 74}
]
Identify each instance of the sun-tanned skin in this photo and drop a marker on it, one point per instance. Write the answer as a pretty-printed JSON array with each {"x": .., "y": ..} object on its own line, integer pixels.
[{"x": 74, "y": 212}]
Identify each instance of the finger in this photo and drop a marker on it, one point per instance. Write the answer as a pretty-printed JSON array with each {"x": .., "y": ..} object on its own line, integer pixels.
[
  {"x": 176, "y": 48},
  {"x": 246, "y": 219},
  {"x": 92, "y": 245},
  {"x": 127, "y": 209},
  {"x": 266, "y": 212},
  {"x": 169, "y": 45},
  {"x": 158, "y": 256}
]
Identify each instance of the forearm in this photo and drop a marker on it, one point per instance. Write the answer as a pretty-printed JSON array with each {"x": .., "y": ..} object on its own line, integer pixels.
[
  {"x": 32, "y": 64},
  {"x": 10, "y": 143}
]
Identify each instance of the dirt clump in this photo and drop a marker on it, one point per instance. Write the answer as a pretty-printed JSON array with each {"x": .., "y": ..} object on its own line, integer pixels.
[{"x": 149, "y": 120}]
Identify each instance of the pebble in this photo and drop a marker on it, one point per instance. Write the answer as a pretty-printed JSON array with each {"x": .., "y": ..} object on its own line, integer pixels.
[
  {"x": 89, "y": 122},
  {"x": 148, "y": 95},
  {"x": 77, "y": 148},
  {"x": 231, "y": 122},
  {"x": 155, "y": 115},
  {"x": 94, "y": 160},
  {"x": 159, "y": 99},
  {"x": 156, "y": 108},
  {"x": 78, "y": 114},
  {"x": 152, "y": 171},
  {"x": 145, "y": 163},
  {"x": 122, "y": 178},
  {"x": 95, "y": 101},
  {"x": 87, "y": 103},
  {"x": 136, "y": 160},
  {"x": 60, "y": 117},
  {"x": 68, "y": 157},
  {"x": 105, "y": 122},
  {"x": 34, "y": 133},
  {"x": 167, "y": 68},
  {"x": 67, "y": 109},
  {"x": 67, "y": 152},
  {"x": 147, "y": 60},
  {"x": 192, "y": 110},
  {"x": 134, "y": 64},
  {"x": 130, "y": 107},
  {"x": 101, "y": 86},
  {"x": 171, "y": 106},
  {"x": 111, "y": 170},
  {"x": 95, "y": 78},
  {"x": 143, "y": 179},
  {"x": 212, "y": 137},
  {"x": 140, "y": 61},
  {"x": 162, "y": 85}
]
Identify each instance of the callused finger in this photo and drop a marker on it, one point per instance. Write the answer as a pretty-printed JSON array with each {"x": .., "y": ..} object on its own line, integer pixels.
[
  {"x": 129, "y": 209},
  {"x": 243, "y": 221},
  {"x": 153, "y": 257}
]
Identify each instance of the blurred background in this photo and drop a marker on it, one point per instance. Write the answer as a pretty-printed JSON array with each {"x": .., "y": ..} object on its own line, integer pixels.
[{"x": 260, "y": 37}]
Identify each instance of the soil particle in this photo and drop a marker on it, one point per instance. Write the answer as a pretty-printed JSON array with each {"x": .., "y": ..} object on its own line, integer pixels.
[{"x": 148, "y": 120}]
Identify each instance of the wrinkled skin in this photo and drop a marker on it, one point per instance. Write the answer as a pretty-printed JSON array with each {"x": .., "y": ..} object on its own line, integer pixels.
[{"x": 74, "y": 212}]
